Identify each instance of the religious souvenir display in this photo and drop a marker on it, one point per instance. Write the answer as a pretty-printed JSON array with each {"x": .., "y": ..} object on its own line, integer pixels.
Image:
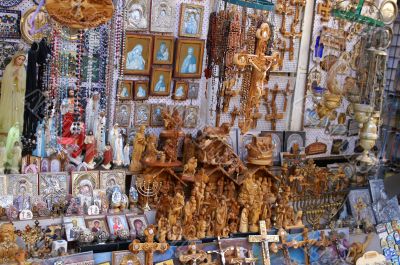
[
  {"x": 360, "y": 204},
  {"x": 140, "y": 90},
  {"x": 160, "y": 81},
  {"x": 22, "y": 185},
  {"x": 156, "y": 115},
  {"x": 125, "y": 91},
  {"x": 138, "y": 52},
  {"x": 180, "y": 90},
  {"x": 117, "y": 223},
  {"x": 189, "y": 58},
  {"x": 137, "y": 224},
  {"x": 163, "y": 52},
  {"x": 163, "y": 16},
  {"x": 9, "y": 24},
  {"x": 83, "y": 184},
  {"x": 80, "y": 15},
  {"x": 110, "y": 179}
]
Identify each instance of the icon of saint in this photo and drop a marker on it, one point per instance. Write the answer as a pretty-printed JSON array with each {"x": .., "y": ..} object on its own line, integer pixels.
[
  {"x": 162, "y": 53},
  {"x": 189, "y": 65},
  {"x": 134, "y": 59},
  {"x": 160, "y": 86},
  {"x": 191, "y": 24}
]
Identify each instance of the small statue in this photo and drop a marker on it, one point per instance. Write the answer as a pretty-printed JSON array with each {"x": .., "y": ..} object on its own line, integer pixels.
[
  {"x": 189, "y": 170},
  {"x": 188, "y": 148},
  {"x": 3, "y": 157},
  {"x": 201, "y": 228},
  {"x": 127, "y": 156},
  {"x": 170, "y": 150},
  {"x": 107, "y": 156},
  {"x": 8, "y": 244},
  {"x": 173, "y": 121},
  {"x": 244, "y": 220},
  {"x": 255, "y": 216},
  {"x": 178, "y": 202},
  {"x": 119, "y": 150},
  {"x": 221, "y": 216},
  {"x": 91, "y": 150},
  {"x": 151, "y": 152},
  {"x": 175, "y": 233},
  {"x": 139, "y": 145},
  {"x": 189, "y": 210},
  {"x": 15, "y": 158},
  {"x": 163, "y": 227},
  {"x": 218, "y": 132},
  {"x": 259, "y": 151}
]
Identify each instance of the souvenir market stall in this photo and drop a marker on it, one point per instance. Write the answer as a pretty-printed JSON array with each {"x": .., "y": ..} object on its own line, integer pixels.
[{"x": 199, "y": 132}]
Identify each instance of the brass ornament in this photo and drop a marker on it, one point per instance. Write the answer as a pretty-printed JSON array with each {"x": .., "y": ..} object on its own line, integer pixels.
[
  {"x": 388, "y": 10},
  {"x": 39, "y": 23},
  {"x": 80, "y": 14}
]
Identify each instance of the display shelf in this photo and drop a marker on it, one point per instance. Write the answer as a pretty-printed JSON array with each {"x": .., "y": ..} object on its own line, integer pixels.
[{"x": 104, "y": 247}]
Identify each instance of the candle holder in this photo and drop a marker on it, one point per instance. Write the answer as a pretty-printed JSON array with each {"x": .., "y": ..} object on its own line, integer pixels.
[{"x": 147, "y": 187}]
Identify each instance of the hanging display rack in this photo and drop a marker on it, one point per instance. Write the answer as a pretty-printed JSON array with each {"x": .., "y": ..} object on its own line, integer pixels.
[{"x": 256, "y": 4}]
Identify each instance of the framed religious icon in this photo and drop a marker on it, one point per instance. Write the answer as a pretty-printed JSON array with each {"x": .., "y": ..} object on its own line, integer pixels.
[
  {"x": 180, "y": 90},
  {"x": 360, "y": 205},
  {"x": 156, "y": 115},
  {"x": 73, "y": 225},
  {"x": 163, "y": 52},
  {"x": 83, "y": 184},
  {"x": 191, "y": 116},
  {"x": 10, "y": 24},
  {"x": 189, "y": 58},
  {"x": 112, "y": 178},
  {"x": 3, "y": 183},
  {"x": 137, "y": 223},
  {"x": 141, "y": 90},
  {"x": 142, "y": 114},
  {"x": 386, "y": 209},
  {"x": 45, "y": 165},
  {"x": 55, "y": 165},
  {"x": 125, "y": 90},
  {"x": 54, "y": 186},
  {"x": 117, "y": 223},
  {"x": 137, "y": 15},
  {"x": 161, "y": 81},
  {"x": 294, "y": 137},
  {"x": 22, "y": 184},
  {"x": 163, "y": 15},
  {"x": 126, "y": 257},
  {"x": 96, "y": 223},
  {"x": 123, "y": 114},
  {"x": 191, "y": 20},
  {"x": 138, "y": 51},
  {"x": 193, "y": 92}
]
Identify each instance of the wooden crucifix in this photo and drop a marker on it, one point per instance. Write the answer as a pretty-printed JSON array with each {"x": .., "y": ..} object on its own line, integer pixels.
[
  {"x": 286, "y": 93},
  {"x": 193, "y": 256},
  {"x": 281, "y": 44},
  {"x": 221, "y": 251},
  {"x": 264, "y": 239},
  {"x": 273, "y": 118},
  {"x": 260, "y": 65},
  {"x": 149, "y": 247},
  {"x": 254, "y": 117},
  {"x": 240, "y": 260},
  {"x": 307, "y": 243},
  {"x": 227, "y": 93}
]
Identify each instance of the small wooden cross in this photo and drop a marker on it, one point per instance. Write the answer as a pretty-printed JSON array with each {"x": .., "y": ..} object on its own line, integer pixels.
[
  {"x": 193, "y": 256},
  {"x": 286, "y": 93},
  {"x": 264, "y": 239},
  {"x": 234, "y": 113},
  {"x": 281, "y": 44},
  {"x": 273, "y": 118},
  {"x": 324, "y": 10},
  {"x": 228, "y": 92},
  {"x": 149, "y": 247}
]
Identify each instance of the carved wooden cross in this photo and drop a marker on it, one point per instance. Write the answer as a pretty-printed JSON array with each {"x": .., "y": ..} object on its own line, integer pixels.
[
  {"x": 273, "y": 118},
  {"x": 260, "y": 65},
  {"x": 281, "y": 44},
  {"x": 234, "y": 113},
  {"x": 307, "y": 243},
  {"x": 78, "y": 5},
  {"x": 228, "y": 93},
  {"x": 149, "y": 247},
  {"x": 264, "y": 239},
  {"x": 221, "y": 251},
  {"x": 286, "y": 93},
  {"x": 324, "y": 10},
  {"x": 239, "y": 260}
]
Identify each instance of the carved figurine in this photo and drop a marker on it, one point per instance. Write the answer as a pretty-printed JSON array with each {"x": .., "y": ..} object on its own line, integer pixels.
[
  {"x": 193, "y": 255},
  {"x": 189, "y": 170},
  {"x": 170, "y": 150},
  {"x": 221, "y": 216},
  {"x": 188, "y": 148},
  {"x": 172, "y": 121},
  {"x": 151, "y": 152},
  {"x": 189, "y": 210},
  {"x": 218, "y": 132},
  {"x": 8, "y": 243},
  {"x": 15, "y": 157},
  {"x": 163, "y": 227},
  {"x": 107, "y": 156},
  {"x": 139, "y": 145},
  {"x": 175, "y": 232},
  {"x": 178, "y": 202},
  {"x": 244, "y": 220},
  {"x": 260, "y": 150}
]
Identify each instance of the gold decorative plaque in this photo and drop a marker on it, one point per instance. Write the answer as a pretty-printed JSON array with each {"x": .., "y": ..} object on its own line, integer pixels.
[{"x": 39, "y": 24}]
